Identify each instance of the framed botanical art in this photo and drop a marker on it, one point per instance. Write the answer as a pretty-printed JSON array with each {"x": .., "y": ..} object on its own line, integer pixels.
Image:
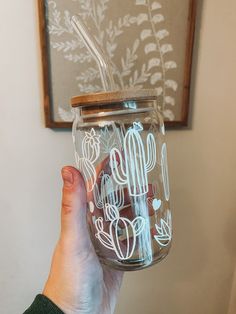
[{"x": 149, "y": 44}]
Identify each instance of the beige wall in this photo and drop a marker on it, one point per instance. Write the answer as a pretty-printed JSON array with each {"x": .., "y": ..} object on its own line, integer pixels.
[
  {"x": 232, "y": 303},
  {"x": 197, "y": 276}
]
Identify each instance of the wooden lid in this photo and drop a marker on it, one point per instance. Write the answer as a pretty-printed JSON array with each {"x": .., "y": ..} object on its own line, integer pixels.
[{"x": 113, "y": 97}]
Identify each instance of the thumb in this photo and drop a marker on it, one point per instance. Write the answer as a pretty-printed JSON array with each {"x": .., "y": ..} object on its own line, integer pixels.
[{"x": 74, "y": 208}]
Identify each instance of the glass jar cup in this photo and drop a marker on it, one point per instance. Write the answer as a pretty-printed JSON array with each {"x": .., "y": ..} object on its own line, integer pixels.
[{"x": 122, "y": 155}]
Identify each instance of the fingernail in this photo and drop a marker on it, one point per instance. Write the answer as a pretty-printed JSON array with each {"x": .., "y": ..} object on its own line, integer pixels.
[{"x": 67, "y": 177}]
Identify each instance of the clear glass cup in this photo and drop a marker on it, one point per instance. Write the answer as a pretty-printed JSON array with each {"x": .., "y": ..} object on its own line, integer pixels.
[{"x": 121, "y": 152}]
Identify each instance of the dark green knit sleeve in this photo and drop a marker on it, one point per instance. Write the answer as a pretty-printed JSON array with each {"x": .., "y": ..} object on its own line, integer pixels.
[{"x": 42, "y": 305}]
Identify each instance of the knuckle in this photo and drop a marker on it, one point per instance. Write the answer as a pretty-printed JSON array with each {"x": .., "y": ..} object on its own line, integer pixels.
[{"x": 67, "y": 206}]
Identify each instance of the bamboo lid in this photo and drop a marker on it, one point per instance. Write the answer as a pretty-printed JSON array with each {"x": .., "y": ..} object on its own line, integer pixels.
[{"x": 113, "y": 97}]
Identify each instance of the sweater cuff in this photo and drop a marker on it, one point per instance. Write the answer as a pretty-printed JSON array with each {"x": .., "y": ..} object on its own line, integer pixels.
[{"x": 42, "y": 305}]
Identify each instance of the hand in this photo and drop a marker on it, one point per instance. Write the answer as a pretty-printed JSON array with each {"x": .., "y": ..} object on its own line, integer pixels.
[{"x": 77, "y": 282}]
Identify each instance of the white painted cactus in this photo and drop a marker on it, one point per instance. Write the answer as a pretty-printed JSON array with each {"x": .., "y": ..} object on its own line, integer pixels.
[
  {"x": 131, "y": 230},
  {"x": 135, "y": 164},
  {"x": 164, "y": 231},
  {"x": 90, "y": 154},
  {"x": 164, "y": 169},
  {"x": 108, "y": 194}
]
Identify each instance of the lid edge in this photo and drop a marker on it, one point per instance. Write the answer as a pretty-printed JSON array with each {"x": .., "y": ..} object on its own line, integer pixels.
[{"x": 113, "y": 97}]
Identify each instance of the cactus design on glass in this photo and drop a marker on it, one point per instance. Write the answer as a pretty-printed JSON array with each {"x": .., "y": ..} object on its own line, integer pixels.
[
  {"x": 164, "y": 231},
  {"x": 156, "y": 204},
  {"x": 90, "y": 152},
  {"x": 134, "y": 163},
  {"x": 108, "y": 140},
  {"x": 108, "y": 195},
  {"x": 131, "y": 230},
  {"x": 164, "y": 169}
]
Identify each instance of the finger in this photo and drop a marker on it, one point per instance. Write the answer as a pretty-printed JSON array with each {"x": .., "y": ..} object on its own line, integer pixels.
[{"x": 73, "y": 212}]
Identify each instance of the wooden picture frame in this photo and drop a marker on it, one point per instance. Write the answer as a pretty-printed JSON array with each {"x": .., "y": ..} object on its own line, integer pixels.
[{"x": 48, "y": 100}]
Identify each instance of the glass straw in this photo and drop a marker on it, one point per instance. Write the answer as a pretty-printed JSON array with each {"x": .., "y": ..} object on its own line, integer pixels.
[{"x": 90, "y": 42}]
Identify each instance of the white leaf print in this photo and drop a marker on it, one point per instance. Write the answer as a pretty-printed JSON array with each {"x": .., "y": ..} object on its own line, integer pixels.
[
  {"x": 89, "y": 75},
  {"x": 170, "y": 100},
  {"x": 168, "y": 114},
  {"x": 137, "y": 80},
  {"x": 67, "y": 20},
  {"x": 100, "y": 13},
  {"x": 81, "y": 58},
  {"x": 158, "y": 18},
  {"x": 154, "y": 62},
  {"x": 145, "y": 34},
  {"x": 55, "y": 27},
  {"x": 159, "y": 91},
  {"x": 162, "y": 34},
  {"x": 156, "y": 77},
  {"x": 142, "y": 17},
  {"x": 136, "y": 45},
  {"x": 150, "y": 47},
  {"x": 66, "y": 46},
  {"x": 89, "y": 88},
  {"x": 111, "y": 47},
  {"x": 171, "y": 84},
  {"x": 166, "y": 48},
  {"x": 66, "y": 115},
  {"x": 146, "y": 26},
  {"x": 132, "y": 20},
  {"x": 140, "y": 2},
  {"x": 170, "y": 65},
  {"x": 156, "y": 5},
  {"x": 129, "y": 62}
]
